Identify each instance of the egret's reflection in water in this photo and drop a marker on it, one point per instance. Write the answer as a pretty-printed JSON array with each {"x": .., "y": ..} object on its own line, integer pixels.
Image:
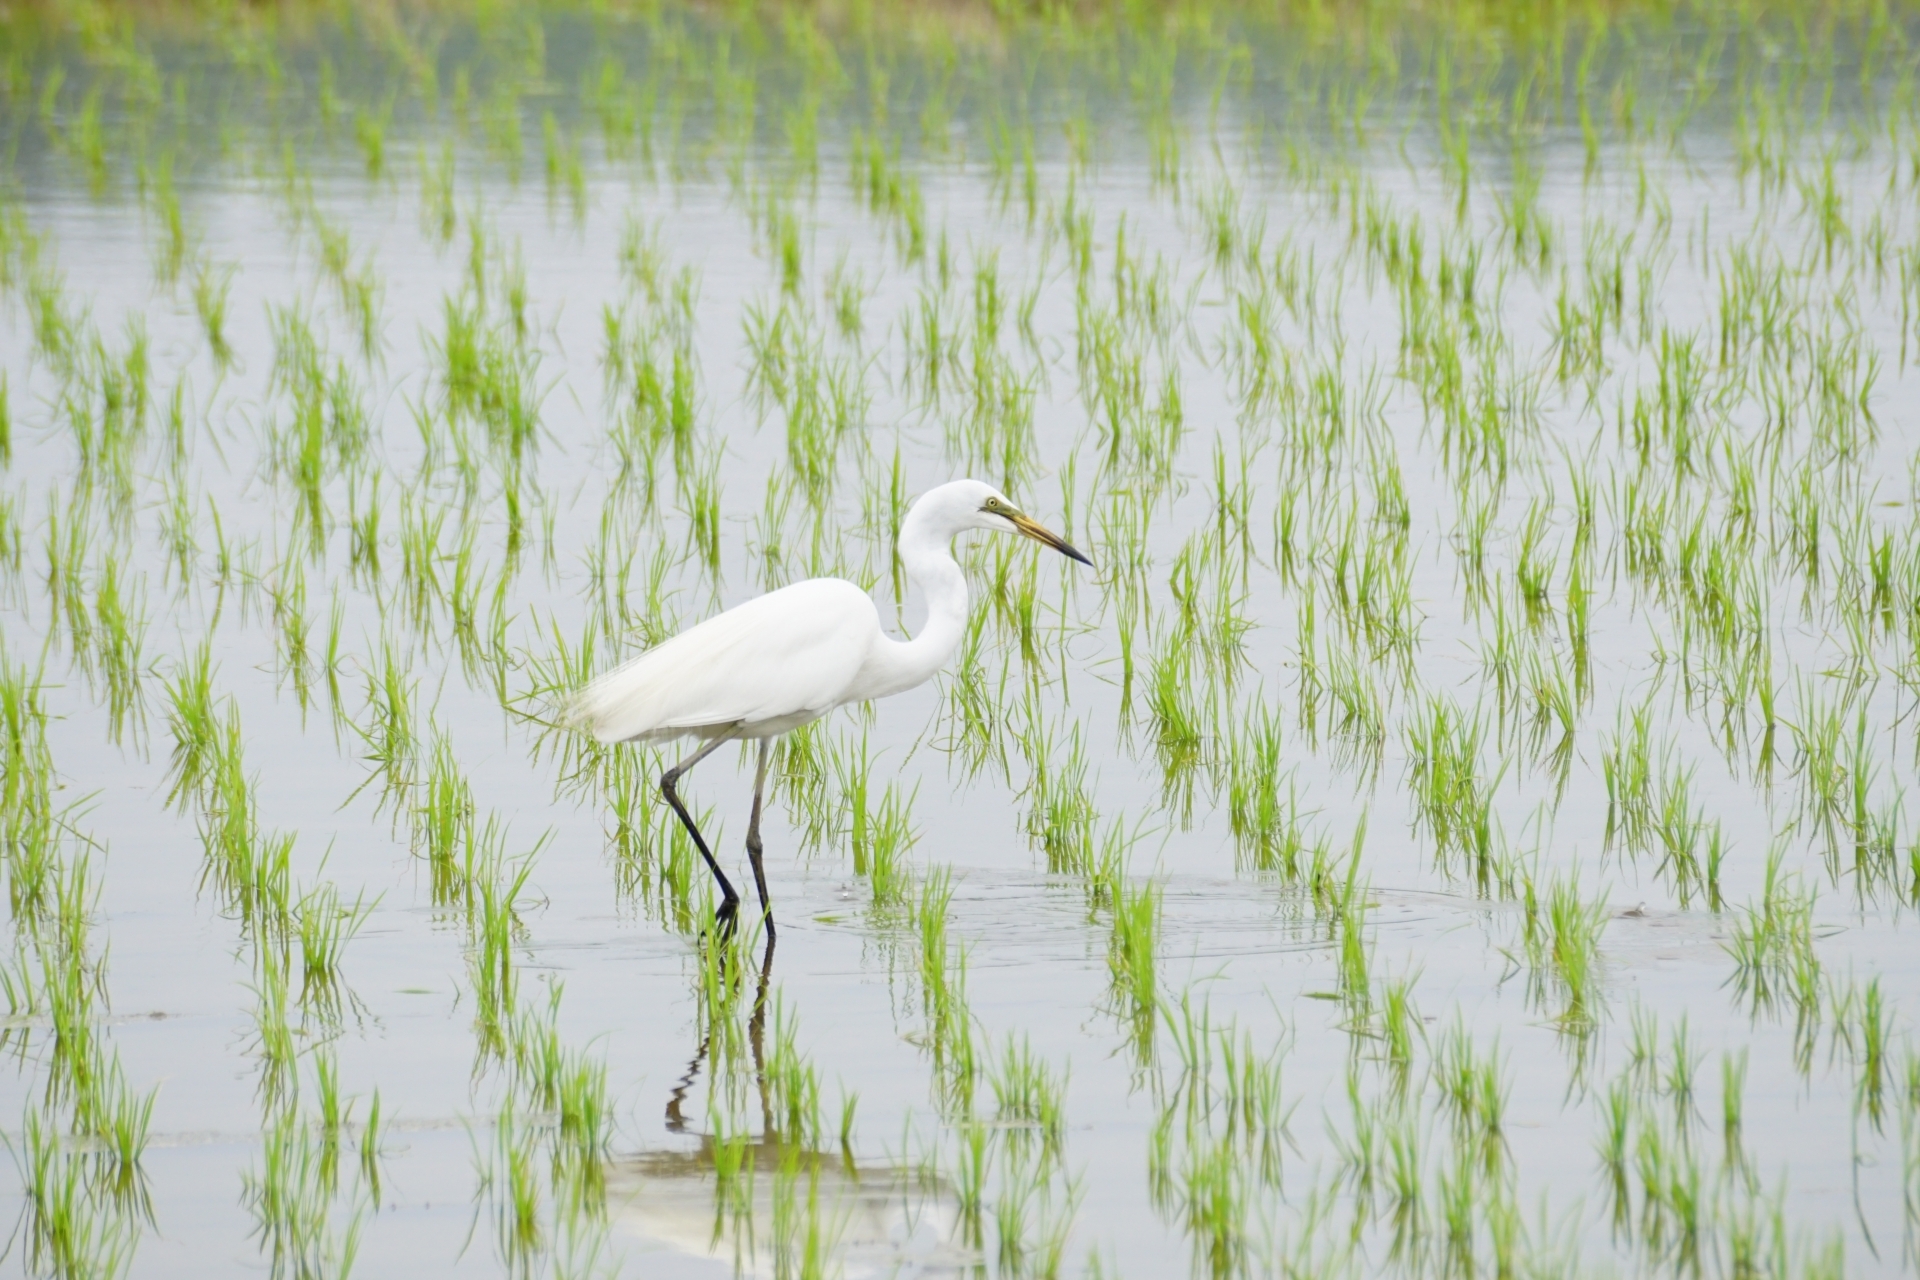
[{"x": 769, "y": 1206}]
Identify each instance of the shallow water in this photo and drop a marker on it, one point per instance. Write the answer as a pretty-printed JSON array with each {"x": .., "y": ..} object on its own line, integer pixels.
[{"x": 1826, "y": 1156}]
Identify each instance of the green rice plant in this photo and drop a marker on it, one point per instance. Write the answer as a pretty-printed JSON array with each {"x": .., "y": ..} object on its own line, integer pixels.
[
  {"x": 701, "y": 500},
  {"x": 1227, "y": 1093},
  {"x": 682, "y": 892},
  {"x": 1679, "y": 824},
  {"x": 370, "y": 132},
  {"x": 733, "y": 1173},
  {"x": 68, "y": 1230},
  {"x": 724, "y": 1031},
  {"x": 1452, "y": 794},
  {"x": 1643, "y": 1045},
  {"x": 847, "y": 291},
  {"x": 943, "y": 982},
  {"x": 494, "y": 890},
  {"x": 163, "y": 200},
  {"x": 970, "y": 1182},
  {"x": 71, "y": 982},
  {"x": 1627, "y": 765},
  {"x": 1026, "y": 1092},
  {"x": 1564, "y": 950},
  {"x": 849, "y": 1106},
  {"x": 57, "y": 329},
  {"x": 855, "y": 769},
  {"x": 273, "y": 1032},
  {"x": 564, "y": 168},
  {"x": 1357, "y": 711},
  {"x": 1618, "y": 1119},
  {"x": 571, "y": 1087},
  {"x": 443, "y": 821},
  {"x": 119, "y": 1120},
  {"x": 1733, "y": 1083},
  {"x": 509, "y": 1182},
  {"x": 65, "y": 579},
  {"x": 20, "y": 988},
  {"x": 803, "y": 1239},
  {"x": 193, "y": 721},
  {"x": 86, "y": 138},
  {"x": 805, "y": 762},
  {"x": 439, "y": 217},
  {"x": 1132, "y": 953},
  {"x": 1404, "y": 1183},
  {"x": 391, "y": 737},
  {"x": 1060, "y": 818},
  {"x": 1179, "y": 736},
  {"x": 1349, "y": 924},
  {"x": 1672, "y": 1197},
  {"x": 890, "y": 835},
  {"x": 1266, "y": 828},
  {"x": 1473, "y": 1091},
  {"x": 178, "y": 525},
  {"x": 1873, "y": 1071},
  {"x": 1398, "y": 1022},
  {"x": 212, "y": 286},
  {"x": 793, "y": 1085},
  {"x": 1214, "y": 1211},
  {"x": 1016, "y": 597},
  {"x": 120, "y": 635},
  {"x": 34, "y": 835},
  {"x": 1678, "y": 1076},
  {"x": 326, "y": 924},
  {"x": 891, "y": 191},
  {"x": 1771, "y": 942},
  {"x": 1459, "y": 1192}
]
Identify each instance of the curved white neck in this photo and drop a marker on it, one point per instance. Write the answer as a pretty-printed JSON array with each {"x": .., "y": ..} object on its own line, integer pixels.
[{"x": 926, "y": 551}]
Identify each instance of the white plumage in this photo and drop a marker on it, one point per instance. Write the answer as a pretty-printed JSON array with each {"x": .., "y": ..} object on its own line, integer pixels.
[
  {"x": 773, "y": 663},
  {"x": 788, "y": 657}
]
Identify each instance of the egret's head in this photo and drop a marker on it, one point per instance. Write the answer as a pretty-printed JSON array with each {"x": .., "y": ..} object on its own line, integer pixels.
[{"x": 991, "y": 510}]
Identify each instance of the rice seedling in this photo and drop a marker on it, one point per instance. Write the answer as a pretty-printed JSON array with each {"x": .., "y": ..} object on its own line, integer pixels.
[
  {"x": 1564, "y": 947},
  {"x": 510, "y": 1184},
  {"x": 1473, "y": 1091},
  {"x": 1131, "y": 958},
  {"x": 494, "y": 888},
  {"x": 943, "y": 975},
  {"x": 68, "y": 1230},
  {"x": 273, "y": 1032},
  {"x": 1025, "y": 1092},
  {"x": 888, "y": 837},
  {"x": 326, "y": 925},
  {"x": 1397, "y": 1027},
  {"x": 793, "y": 1085},
  {"x": 1773, "y": 939}
]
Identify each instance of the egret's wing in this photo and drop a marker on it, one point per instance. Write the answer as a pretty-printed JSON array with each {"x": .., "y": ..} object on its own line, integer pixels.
[{"x": 786, "y": 653}]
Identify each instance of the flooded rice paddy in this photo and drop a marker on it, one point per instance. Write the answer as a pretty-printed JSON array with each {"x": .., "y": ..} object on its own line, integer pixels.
[{"x": 1462, "y": 824}]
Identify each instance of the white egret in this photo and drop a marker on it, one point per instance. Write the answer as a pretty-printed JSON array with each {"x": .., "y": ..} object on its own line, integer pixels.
[{"x": 788, "y": 657}]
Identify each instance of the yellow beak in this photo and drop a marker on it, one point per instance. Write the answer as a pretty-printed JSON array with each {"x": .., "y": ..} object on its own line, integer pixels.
[{"x": 1041, "y": 534}]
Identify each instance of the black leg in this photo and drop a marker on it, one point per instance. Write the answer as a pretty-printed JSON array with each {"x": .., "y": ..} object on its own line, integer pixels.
[
  {"x": 730, "y": 901},
  {"x": 753, "y": 840}
]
